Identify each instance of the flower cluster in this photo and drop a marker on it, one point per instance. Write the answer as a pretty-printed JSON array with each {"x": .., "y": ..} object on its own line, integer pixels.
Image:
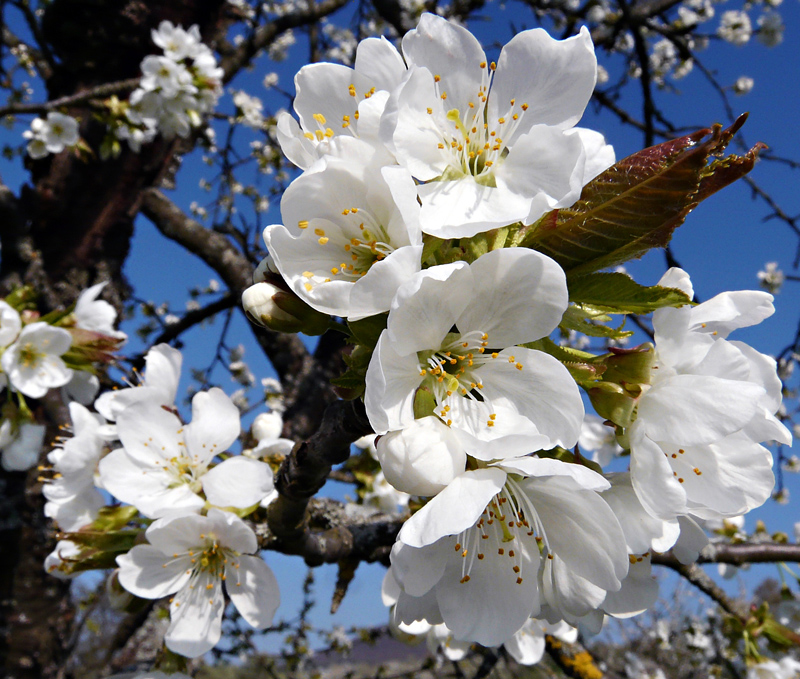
[
  {"x": 183, "y": 478},
  {"x": 423, "y": 176},
  {"x": 176, "y": 89},
  {"x": 39, "y": 353}
]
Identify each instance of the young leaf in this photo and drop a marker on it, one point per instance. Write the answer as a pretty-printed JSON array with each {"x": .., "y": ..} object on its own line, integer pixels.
[
  {"x": 619, "y": 293},
  {"x": 637, "y": 203}
]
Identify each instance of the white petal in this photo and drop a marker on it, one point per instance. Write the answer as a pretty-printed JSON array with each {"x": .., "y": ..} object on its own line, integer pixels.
[
  {"x": 149, "y": 573},
  {"x": 147, "y": 430},
  {"x": 696, "y": 409},
  {"x": 379, "y": 60},
  {"x": 539, "y": 467},
  {"x": 253, "y": 589},
  {"x": 691, "y": 541},
  {"x": 238, "y": 482},
  {"x": 392, "y": 381},
  {"x": 639, "y": 591},
  {"x": 215, "y": 425},
  {"x": 417, "y": 570},
  {"x": 427, "y": 306},
  {"x": 450, "y": 51},
  {"x": 163, "y": 371},
  {"x": 373, "y": 293},
  {"x": 554, "y": 77},
  {"x": 729, "y": 311},
  {"x": 527, "y": 645},
  {"x": 456, "y": 508},
  {"x": 651, "y": 475},
  {"x": 196, "y": 617},
  {"x": 542, "y": 390},
  {"x": 502, "y": 281}
]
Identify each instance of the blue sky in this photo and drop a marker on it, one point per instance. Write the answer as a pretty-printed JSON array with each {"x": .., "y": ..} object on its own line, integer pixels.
[{"x": 723, "y": 243}]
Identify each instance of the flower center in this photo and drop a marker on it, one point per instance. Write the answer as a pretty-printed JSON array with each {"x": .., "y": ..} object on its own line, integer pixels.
[
  {"x": 359, "y": 242},
  {"x": 475, "y": 143},
  {"x": 30, "y": 356},
  {"x": 504, "y": 531}
]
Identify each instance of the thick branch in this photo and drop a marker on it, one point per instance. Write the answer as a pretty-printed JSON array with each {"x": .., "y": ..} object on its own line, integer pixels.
[
  {"x": 286, "y": 352},
  {"x": 301, "y": 476}
]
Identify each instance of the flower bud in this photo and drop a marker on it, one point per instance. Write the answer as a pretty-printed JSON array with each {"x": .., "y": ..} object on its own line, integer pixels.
[
  {"x": 422, "y": 458},
  {"x": 283, "y": 311},
  {"x": 267, "y": 426},
  {"x": 264, "y": 269}
]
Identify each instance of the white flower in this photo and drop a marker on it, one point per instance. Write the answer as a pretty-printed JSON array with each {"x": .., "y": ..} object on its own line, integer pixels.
[
  {"x": 422, "y": 458},
  {"x": 770, "y": 29},
  {"x": 471, "y": 557},
  {"x": 159, "y": 384},
  {"x": 385, "y": 497},
  {"x": 56, "y": 563},
  {"x": 165, "y": 76},
  {"x": 72, "y": 499},
  {"x": 743, "y": 85},
  {"x": 351, "y": 235},
  {"x": 33, "y": 363},
  {"x": 52, "y": 135},
  {"x": 528, "y": 644},
  {"x": 771, "y": 277},
  {"x": 735, "y": 27},
  {"x": 695, "y": 443},
  {"x": 190, "y": 557},
  {"x": 164, "y": 464},
  {"x": 95, "y": 314},
  {"x": 489, "y": 141},
  {"x": 20, "y": 449},
  {"x": 177, "y": 43},
  {"x": 10, "y": 324},
  {"x": 500, "y": 399},
  {"x": 251, "y": 109},
  {"x": 335, "y": 102}
]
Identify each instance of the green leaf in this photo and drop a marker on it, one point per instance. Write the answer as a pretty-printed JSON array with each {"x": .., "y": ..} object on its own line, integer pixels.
[
  {"x": 588, "y": 320},
  {"x": 585, "y": 368},
  {"x": 484, "y": 242},
  {"x": 368, "y": 330},
  {"x": 619, "y": 293},
  {"x": 637, "y": 203}
]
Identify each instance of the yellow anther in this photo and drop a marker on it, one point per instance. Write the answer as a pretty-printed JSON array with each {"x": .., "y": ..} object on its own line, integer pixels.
[
  {"x": 436, "y": 78},
  {"x": 524, "y": 107},
  {"x": 319, "y": 232},
  {"x": 493, "y": 66},
  {"x": 483, "y": 64},
  {"x": 430, "y": 111},
  {"x": 441, "y": 146},
  {"x": 308, "y": 274},
  {"x": 308, "y": 135},
  {"x": 334, "y": 270},
  {"x": 320, "y": 118},
  {"x": 328, "y": 132},
  {"x": 444, "y": 95},
  {"x": 352, "y": 90},
  {"x": 323, "y": 240},
  {"x": 501, "y": 121},
  {"x": 518, "y": 366},
  {"x": 513, "y": 101},
  {"x": 320, "y": 135},
  {"x": 346, "y": 212}
]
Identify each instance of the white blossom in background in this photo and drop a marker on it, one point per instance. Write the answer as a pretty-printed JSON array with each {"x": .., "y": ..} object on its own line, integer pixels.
[
  {"x": 95, "y": 314},
  {"x": 770, "y": 29},
  {"x": 56, "y": 564},
  {"x": 785, "y": 668},
  {"x": 385, "y": 496},
  {"x": 771, "y": 277},
  {"x": 72, "y": 498},
  {"x": 420, "y": 349},
  {"x": 10, "y": 324},
  {"x": 164, "y": 464},
  {"x": 189, "y": 557},
  {"x": 251, "y": 109},
  {"x": 51, "y": 135},
  {"x": 20, "y": 448},
  {"x": 693, "y": 12},
  {"x": 33, "y": 362},
  {"x": 743, "y": 85},
  {"x": 735, "y": 27},
  {"x": 599, "y": 439},
  {"x": 488, "y": 142}
]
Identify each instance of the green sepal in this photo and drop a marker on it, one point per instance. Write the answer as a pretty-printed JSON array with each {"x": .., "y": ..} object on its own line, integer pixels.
[
  {"x": 619, "y": 293},
  {"x": 612, "y": 402},
  {"x": 367, "y": 330},
  {"x": 585, "y": 368},
  {"x": 424, "y": 403},
  {"x": 351, "y": 384},
  {"x": 588, "y": 320},
  {"x": 21, "y": 298},
  {"x": 430, "y": 247},
  {"x": 479, "y": 245},
  {"x": 630, "y": 366},
  {"x": 114, "y": 518}
]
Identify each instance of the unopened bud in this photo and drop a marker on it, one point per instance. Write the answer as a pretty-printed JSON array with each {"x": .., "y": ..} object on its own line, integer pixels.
[
  {"x": 265, "y": 269},
  {"x": 267, "y": 426},
  {"x": 283, "y": 311},
  {"x": 422, "y": 458}
]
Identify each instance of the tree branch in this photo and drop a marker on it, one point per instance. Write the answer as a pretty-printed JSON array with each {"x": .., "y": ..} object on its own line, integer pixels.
[
  {"x": 73, "y": 99},
  {"x": 264, "y": 35}
]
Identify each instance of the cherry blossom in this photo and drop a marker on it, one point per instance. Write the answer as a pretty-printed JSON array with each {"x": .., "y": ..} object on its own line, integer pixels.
[
  {"x": 500, "y": 399},
  {"x": 189, "y": 557},
  {"x": 33, "y": 363}
]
